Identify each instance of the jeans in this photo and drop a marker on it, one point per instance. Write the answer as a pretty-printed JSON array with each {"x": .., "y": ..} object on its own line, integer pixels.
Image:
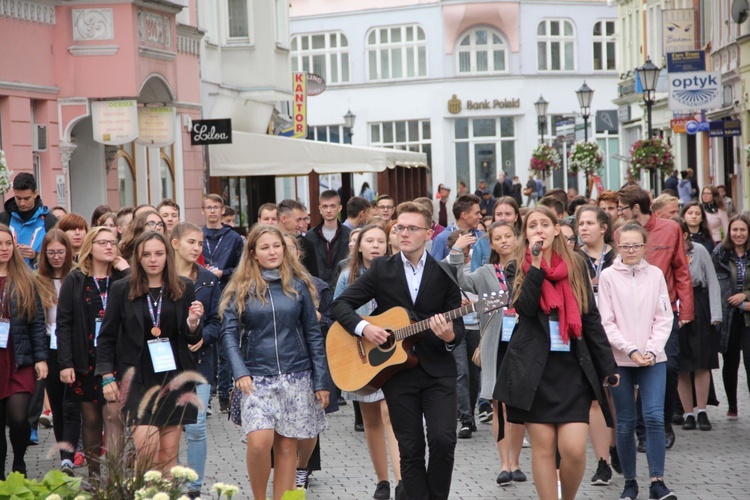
[
  {"x": 196, "y": 438},
  {"x": 467, "y": 383},
  {"x": 651, "y": 382}
]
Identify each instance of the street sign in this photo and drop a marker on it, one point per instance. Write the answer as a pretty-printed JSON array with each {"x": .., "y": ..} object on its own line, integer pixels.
[
  {"x": 683, "y": 62},
  {"x": 316, "y": 84},
  {"x": 725, "y": 128},
  {"x": 693, "y": 127}
]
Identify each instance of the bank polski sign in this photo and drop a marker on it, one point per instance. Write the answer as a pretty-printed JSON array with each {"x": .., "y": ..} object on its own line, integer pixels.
[{"x": 694, "y": 91}]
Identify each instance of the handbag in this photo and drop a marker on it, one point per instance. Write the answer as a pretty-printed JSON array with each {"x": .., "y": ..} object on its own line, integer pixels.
[{"x": 527, "y": 191}]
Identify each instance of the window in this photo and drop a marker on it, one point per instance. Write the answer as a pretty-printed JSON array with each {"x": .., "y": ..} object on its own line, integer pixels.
[
  {"x": 166, "y": 172},
  {"x": 282, "y": 22},
  {"x": 604, "y": 46},
  {"x": 481, "y": 51},
  {"x": 484, "y": 146},
  {"x": 555, "y": 40},
  {"x": 397, "y": 52},
  {"x": 326, "y": 133},
  {"x": 407, "y": 135},
  {"x": 325, "y": 54},
  {"x": 126, "y": 179},
  {"x": 238, "y": 19}
]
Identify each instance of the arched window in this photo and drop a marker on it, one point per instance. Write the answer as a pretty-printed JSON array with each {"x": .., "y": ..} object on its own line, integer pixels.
[
  {"x": 556, "y": 41},
  {"x": 396, "y": 52},
  {"x": 166, "y": 170},
  {"x": 604, "y": 46},
  {"x": 126, "y": 179},
  {"x": 325, "y": 54},
  {"x": 482, "y": 50}
]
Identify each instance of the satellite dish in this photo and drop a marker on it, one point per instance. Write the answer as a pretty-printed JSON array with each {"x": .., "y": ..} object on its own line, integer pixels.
[{"x": 740, "y": 11}]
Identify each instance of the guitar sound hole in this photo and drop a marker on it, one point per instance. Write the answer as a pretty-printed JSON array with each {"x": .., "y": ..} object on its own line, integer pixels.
[{"x": 389, "y": 343}]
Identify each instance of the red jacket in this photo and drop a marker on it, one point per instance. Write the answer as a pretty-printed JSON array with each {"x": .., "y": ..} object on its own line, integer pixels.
[{"x": 665, "y": 249}]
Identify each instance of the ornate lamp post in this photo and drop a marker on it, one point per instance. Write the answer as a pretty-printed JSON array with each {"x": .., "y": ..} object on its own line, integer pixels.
[
  {"x": 541, "y": 115},
  {"x": 585, "y": 96},
  {"x": 648, "y": 74},
  {"x": 349, "y": 119}
]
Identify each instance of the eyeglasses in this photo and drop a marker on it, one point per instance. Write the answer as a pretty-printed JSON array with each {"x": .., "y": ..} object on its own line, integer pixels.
[
  {"x": 52, "y": 253},
  {"x": 212, "y": 208},
  {"x": 386, "y": 208},
  {"x": 108, "y": 243},
  {"x": 151, "y": 224},
  {"x": 409, "y": 229},
  {"x": 637, "y": 247},
  {"x": 622, "y": 209},
  {"x": 572, "y": 240}
]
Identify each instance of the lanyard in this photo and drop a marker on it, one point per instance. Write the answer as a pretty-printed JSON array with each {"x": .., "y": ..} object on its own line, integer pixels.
[
  {"x": 597, "y": 268},
  {"x": 103, "y": 295},
  {"x": 501, "y": 277},
  {"x": 155, "y": 318},
  {"x": 741, "y": 263},
  {"x": 211, "y": 252},
  {"x": 2, "y": 302}
]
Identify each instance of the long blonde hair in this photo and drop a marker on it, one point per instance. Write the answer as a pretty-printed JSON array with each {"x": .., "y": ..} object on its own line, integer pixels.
[
  {"x": 21, "y": 280},
  {"x": 85, "y": 259},
  {"x": 578, "y": 278},
  {"x": 247, "y": 280}
]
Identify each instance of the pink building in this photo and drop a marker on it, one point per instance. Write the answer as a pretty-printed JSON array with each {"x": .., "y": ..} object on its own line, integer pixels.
[{"x": 63, "y": 61}]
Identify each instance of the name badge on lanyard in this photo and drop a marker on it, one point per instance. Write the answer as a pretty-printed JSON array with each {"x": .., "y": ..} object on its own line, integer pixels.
[
  {"x": 509, "y": 323},
  {"x": 162, "y": 356},
  {"x": 4, "y": 333},
  {"x": 52, "y": 332},
  {"x": 103, "y": 296},
  {"x": 556, "y": 343},
  {"x": 97, "y": 329}
]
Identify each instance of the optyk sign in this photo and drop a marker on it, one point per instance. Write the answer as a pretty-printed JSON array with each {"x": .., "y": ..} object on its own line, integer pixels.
[{"x": 694, "y": 91}]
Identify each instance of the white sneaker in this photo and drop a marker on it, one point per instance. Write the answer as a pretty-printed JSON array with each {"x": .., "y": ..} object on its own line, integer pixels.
[{"x": 526, "y": 443}]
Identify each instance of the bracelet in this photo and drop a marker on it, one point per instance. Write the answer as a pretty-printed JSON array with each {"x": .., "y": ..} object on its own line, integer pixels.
[
  {"x": 107, "y": 380},
  {"x": 742, "y": 306},
  {"x": 457, "y": 249}
]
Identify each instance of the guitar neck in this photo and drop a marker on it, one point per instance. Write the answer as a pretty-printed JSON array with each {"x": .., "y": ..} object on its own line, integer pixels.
[{"x": 424, "y": 325}]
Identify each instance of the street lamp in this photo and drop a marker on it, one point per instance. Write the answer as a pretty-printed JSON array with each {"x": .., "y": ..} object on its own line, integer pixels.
[
  {"x": 541, "y": 115},
  {"x": 648, "y": 74},
  {"x": 349, "y": 119},
  {"x": 585, "y": 96}
]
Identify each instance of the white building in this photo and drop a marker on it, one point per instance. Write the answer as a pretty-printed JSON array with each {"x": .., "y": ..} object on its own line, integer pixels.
[{"x": 458, "y": 79}]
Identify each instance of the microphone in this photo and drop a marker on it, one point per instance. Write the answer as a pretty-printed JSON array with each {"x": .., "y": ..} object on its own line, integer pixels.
[{"x": 536, "y": 249}]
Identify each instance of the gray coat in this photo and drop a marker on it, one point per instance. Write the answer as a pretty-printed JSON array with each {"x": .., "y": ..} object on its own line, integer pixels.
[{"x": 703, "y": 275}]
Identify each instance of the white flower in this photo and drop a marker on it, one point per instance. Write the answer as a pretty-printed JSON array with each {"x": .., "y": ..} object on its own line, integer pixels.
[
  {"x": 160, "y": 496},
  {"x": 80, "y": 497},
  {"x": 54, "y": 496},
  {"x": 152, "y": 475},
  {"x": 230, "y": 490},
  {"x": 184, "y": 497},
  {"x": 185, "y": 473}
]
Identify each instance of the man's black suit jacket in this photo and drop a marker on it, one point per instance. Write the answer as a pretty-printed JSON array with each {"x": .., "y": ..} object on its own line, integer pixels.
[{"x": 385, "y": 282}]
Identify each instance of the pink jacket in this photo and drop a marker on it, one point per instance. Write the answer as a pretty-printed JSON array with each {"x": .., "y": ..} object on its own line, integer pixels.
[{"x": 635, "y": 309}]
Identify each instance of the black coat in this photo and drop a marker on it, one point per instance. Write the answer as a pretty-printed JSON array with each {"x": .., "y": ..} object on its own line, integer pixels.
[
  {"x": 526, "y": 357},
  {"x": 386, "y": 283},
  {"x": 72, "y": 321},
  {"x": 29, "y": 338},
  {"x": 208, "y": 292},
  {"x": 326, "y": 263},
  {"x": 122, "y": 340}
]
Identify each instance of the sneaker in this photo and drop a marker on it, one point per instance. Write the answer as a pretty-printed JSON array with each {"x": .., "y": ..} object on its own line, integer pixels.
[
  {"x": 465, "y": 432},
  {"x": 45, "y": 419},
  {"x": 504, "y": 478},
  {"x": 34, "y": 438},
  {"x": 689, "y": 424},
  {"x": 194, "y": 494},
  {"x": 485, "y": 414},
  {"x": 79, "y": 460},
  {"x": 223, "y": 405},
  {"x": 383, "y": 491},
  {"x": 614, "y": 459},
  {"x": 209, "y": 411},
  {"x": 359, "y": 427},
  {"x": 732, "y": 414},
  {"x": 67, "y": 468},
  {"x": 703, "y": 423},
  {"x": 678, "y": 418},
  {"x": 641, "y": 446},
  {"x": 518, "y": 476},
  {"x": 525, "y": 443},
  {"x": 301, "y": 479},
  {"x": 630, "y": 492},
  {"x": 341, "y": 401},
  {"x": 659, "y": 491},
  {"x": 603, "y": 474}
]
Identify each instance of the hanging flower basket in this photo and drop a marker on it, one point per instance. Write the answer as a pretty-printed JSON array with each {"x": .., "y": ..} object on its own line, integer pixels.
[
  {"x": 544, "y": 159},
  {"x": 747, "y": 156},
  {"x": 651, "y": 155},
  {"x": 586, "y": 157},
  {"x": 5, "y": 174}
]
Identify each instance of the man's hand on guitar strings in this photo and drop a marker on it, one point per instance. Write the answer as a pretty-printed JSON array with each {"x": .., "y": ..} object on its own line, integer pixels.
[
  {"x": 442, "y": 328},
  {"x": 375, "y": 334}
]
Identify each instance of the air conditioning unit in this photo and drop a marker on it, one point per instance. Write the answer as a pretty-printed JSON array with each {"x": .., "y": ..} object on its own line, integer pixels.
[{"x": 38, "y": 138}]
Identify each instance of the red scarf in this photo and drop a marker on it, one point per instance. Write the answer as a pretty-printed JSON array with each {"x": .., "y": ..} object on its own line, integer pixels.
[{"x": 557, "y": 294}]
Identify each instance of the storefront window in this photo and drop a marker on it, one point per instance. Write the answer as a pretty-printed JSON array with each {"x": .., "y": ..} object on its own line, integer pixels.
[
  {"x": 126, "y": 179},
  {"x": 484, "y": 147},
  {"x": 408, "y": 135},
  {"x": 166, "y": 172}
]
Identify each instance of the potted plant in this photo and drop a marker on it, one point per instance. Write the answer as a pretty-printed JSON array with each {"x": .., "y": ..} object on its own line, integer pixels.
[
  {"x": 544, "y": 159},
  {"x": 652, "y": 156},
  {"x": 586, "y": 157}
]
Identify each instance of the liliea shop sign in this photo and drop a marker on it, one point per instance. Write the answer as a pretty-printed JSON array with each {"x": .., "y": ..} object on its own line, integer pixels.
[{"x": 694, "y": 91}]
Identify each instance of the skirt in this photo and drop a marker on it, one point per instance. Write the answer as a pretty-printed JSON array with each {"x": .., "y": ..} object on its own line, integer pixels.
[
  {"x": 564, "y": 394},
  {"x": 699, "y": 342},
  {"x": 370, "y": 398},
  {"x": 285, "y": 403},
  {"x": 12, "y": 380}
]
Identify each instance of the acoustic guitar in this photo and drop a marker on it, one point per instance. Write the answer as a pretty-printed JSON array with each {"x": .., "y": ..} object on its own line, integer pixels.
[{"x": 361, "y": 367}]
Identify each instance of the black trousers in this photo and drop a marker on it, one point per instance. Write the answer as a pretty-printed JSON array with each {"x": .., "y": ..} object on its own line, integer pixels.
[{"x": 410, "y": 395}]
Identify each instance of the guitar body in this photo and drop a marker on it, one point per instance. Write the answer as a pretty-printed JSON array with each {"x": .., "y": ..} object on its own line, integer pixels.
[{"x": 361, "y": 367}]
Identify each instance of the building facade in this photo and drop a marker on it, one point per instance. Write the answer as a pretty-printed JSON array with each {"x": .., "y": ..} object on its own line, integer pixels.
[
  {"x": 63, "y": 61},
  {"x": 454, "y": 80}
]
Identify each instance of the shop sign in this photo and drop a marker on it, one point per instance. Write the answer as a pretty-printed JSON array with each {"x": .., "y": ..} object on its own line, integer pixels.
[
  {"x": 678, "y": 29},
  {"x": 316, "y": 84},
  {"x": 606, "y": 121},
  {"x": 684, "y": 62},
  {"x": 694, "y": 91},
  {"x": 725, "y": 128},
  {"x": 299, "y": 105},
  {"x": 156, "y": 127},
  {"x": 623, "y": 113},
  {"x": 455, "y": 105},
  {"x": 695, "y": 126},
  {"x": 206, "y": 132},
  {"x": 114, "y": 122},
  {"x": 679, "y": 125}
]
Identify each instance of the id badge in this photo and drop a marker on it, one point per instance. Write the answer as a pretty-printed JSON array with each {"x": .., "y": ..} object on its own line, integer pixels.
[
  {"x": 556, "y": 342},
  {"x": 51, "y": 331},
  {"x": 4, "y": 333},
  {"x": 509, "y": 323},
  {"x": 162, "y": 356},
  {"x": 97, "y": 329}
]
